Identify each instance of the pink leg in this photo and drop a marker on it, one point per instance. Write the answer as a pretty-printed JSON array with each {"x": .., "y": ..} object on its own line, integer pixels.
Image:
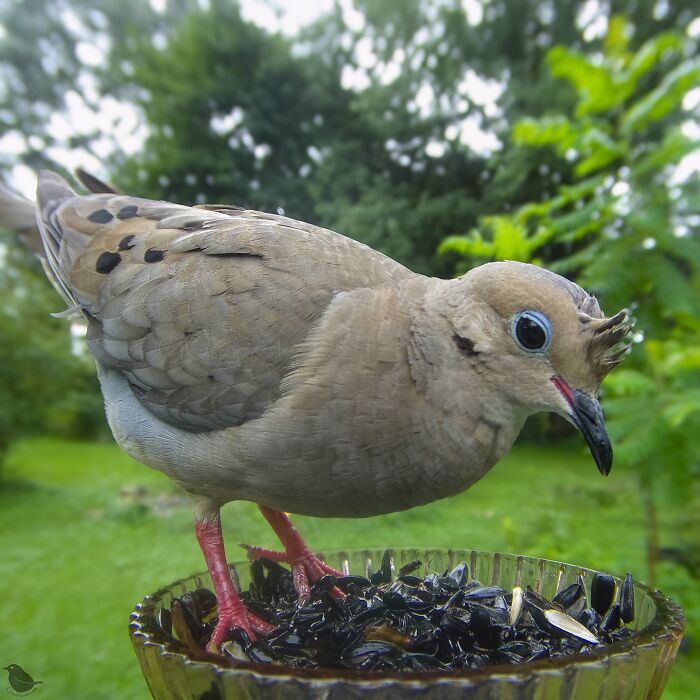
[
  {"x": 306, "y": 566},
  {"x": 232, "y": 612}
]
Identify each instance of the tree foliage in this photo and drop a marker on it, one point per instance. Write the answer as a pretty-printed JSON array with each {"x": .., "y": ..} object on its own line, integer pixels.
[
  {"x": 626, "y": 227},
  {"x": 44, "y": 386}
]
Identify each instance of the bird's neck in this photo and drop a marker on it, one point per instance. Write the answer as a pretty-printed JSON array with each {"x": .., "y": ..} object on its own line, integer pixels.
[{"x": 465, "y": 412}]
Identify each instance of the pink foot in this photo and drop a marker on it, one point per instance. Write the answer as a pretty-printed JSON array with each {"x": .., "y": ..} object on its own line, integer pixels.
[
  {"x": 233, "y": 616},
  {"x": 232, "y": 612},
  {"x": 307, "y": 568}
]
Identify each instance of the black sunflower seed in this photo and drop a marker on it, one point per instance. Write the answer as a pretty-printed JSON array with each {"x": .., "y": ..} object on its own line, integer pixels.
[
  {"x": 602, "y": 592},
  {"x": 627, "y": 599},
  {"x": 441, "y": 621}
]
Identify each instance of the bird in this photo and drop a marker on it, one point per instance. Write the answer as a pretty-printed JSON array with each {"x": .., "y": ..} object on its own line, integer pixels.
[
  {"x": 249, "y": 356},
  {"x": 20, "y": 681}
]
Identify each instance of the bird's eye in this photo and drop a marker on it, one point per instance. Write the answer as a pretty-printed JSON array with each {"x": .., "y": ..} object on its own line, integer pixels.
[{"x": 532, "y": 330}]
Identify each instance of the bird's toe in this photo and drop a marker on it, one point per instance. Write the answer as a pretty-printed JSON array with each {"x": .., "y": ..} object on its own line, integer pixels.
[
  {"x": 251, "y": 624},
  {"x": 307, "y": 568}
]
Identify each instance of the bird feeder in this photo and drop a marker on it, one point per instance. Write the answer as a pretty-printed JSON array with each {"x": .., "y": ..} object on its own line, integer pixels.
[{"x": 636, "y": 667}]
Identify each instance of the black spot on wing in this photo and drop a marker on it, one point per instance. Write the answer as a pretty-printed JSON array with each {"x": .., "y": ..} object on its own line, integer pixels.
[
  {"x": 152, "y": 255},
  {"x": 107, "y": 262},
  {"x": 126, "y": 243},
  {"x": 236, "y": 254},
  {"x": 196, "y": 225},
  {"x": 128, "y": 212},
  {"x": 101, "y": 216}
]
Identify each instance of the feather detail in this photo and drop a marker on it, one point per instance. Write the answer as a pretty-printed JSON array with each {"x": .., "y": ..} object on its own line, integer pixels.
[{"x": 605, "y": 335}]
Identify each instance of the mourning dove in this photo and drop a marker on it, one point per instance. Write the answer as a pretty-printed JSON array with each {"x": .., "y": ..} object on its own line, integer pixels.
[{"x": 253, "y": 357}]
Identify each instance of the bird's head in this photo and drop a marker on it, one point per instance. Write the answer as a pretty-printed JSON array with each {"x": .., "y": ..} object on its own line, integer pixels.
[{"x": 542, "y": 341}]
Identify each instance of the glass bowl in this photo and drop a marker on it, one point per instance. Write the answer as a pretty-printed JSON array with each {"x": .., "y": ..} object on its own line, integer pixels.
[{"x": 636, "y": 667}]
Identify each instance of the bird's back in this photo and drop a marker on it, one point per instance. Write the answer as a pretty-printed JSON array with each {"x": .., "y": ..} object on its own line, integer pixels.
[{"x": 200, "y": 309}]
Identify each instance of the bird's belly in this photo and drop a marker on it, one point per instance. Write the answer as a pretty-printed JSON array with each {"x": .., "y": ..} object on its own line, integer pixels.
[
  {"x": 359, "y": 492},
  {"x": 334, "y": 475},
  {"x": 296, "y": 471}
]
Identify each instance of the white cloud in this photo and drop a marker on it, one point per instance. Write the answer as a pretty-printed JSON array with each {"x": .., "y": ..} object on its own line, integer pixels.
[
  {"x": 425, "y": 99},
  {"x": 224, "y": 123},
  {"x": 620, "y": 188},
  {"x": 435, "y": 149},
  {"x": 23, "y": 180},
  {"x": 354, "y": 78},
  {"x": 474, "y": 11},
  {"x": 596, "y": 29},
  {"x": 72, "y": 22},
  {"x": 686, "y": 168},
  {"x": 691, "y": 99},
  {"x": 481, "y": 91},
  {"x": 91, "y": 53},
  {"x": 482, "y": 142},
  {"x": 691, "y": 129},
  {"x": 588, "y": 12},
  {"x": 388, "y": 72},
  {"x": 693, "y": 30},
  {"x": 364, "y": 54},
  {"x": 288, "y": 16},
  {"x": 13, "y": 143}
]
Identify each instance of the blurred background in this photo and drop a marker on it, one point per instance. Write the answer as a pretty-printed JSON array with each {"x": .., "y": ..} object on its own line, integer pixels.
[{"x": 445, "y": 133}]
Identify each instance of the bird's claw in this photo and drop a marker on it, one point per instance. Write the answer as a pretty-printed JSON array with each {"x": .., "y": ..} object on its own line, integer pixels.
[
  {"x": 251, "y": 624},
  {"x": 307, "y": 568}
]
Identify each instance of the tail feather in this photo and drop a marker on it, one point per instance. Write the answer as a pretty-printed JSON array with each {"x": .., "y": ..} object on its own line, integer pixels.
[
  {"x": 18, "y": 214},
  {"x": 16, "y": 211},
  {"x": 51, "y": 229}
]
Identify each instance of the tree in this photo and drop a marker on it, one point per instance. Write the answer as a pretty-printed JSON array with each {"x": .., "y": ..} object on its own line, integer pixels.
[
  {"x": 626, "y": 227},
  {"x": 44, "y": 385},
  {"x": 374, "y": 123}
]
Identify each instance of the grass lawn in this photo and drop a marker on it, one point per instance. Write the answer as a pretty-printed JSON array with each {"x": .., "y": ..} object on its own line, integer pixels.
[{"x": 85, "y": 532}]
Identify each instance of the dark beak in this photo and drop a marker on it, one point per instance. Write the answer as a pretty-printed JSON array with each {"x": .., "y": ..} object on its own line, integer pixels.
[{"x": 587, "y": 416}]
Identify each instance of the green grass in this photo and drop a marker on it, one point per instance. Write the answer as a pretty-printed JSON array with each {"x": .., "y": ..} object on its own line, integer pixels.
[{"x": 85, "y": 532}]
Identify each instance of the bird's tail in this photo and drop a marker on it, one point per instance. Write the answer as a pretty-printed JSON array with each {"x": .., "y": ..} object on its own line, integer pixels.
[
  {"x": 50, "y": 228},
  {"x": 18, "y": 214}
]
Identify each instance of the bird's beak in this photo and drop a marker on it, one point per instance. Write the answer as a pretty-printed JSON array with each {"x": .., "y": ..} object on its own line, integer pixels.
[{"x": 587, "y": 415}]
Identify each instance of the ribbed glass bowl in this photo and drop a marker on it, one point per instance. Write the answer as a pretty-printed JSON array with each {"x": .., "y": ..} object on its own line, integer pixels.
[{"x": 636, "y": 667}]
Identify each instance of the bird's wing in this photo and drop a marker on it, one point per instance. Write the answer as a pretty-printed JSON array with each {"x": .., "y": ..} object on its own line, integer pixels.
[{"x": 201, "y": 309}]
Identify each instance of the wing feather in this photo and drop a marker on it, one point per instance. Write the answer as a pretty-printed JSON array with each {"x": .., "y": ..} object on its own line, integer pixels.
[{"x": 203, "y": 310}]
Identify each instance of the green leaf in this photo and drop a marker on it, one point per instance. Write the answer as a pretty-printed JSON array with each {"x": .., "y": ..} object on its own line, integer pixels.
[
  {"x": 666, "y": 97},
  {"x": 650, "y": 54},
  {"x": 598, "y": 90},
  {"x": 629, "y": 382},
  {"x": 656, "y": 156},
  {"x": 602, "y": 151},
  {"x": 616, "y": 39},
  {"x": 679, "y": 411},
  {"x": 509, "y": 238},
  {"x": 470, "y": 245},
  {"x": 543, "y": 132}
]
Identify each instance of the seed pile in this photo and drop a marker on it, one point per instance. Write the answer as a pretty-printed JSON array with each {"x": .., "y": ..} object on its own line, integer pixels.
[{"x": 440, "y": 622}]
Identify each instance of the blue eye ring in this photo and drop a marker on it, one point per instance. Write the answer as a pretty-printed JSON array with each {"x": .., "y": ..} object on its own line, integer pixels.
[{"x": 532, "y": 331}]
